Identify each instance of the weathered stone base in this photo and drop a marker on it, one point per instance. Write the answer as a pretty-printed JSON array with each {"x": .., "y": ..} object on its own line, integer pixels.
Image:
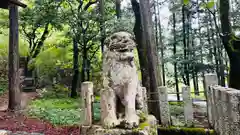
[{"x": 98, "y": 130}]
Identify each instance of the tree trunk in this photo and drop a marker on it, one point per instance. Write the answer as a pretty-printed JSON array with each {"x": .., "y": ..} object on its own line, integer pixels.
[
  {"x": 194, "y": 72},
  {"x": 141, "y": 47},
  {"x": 174, "y": 53},
  {"x": 232, "y": 48},
  {"x": 161, "y": 49},
  {"x": 13, "y": 73},
  {"x": 118, "y": 8},
  {"x": 210, "y": 56},
  {"x": 75, "y": 79},
  {"x": 186, "y": 72},
  {"x": 84, "y": 64},
  {"x": 36, "y": 50},
  {"x": 154, "y": 107},
  {"x": 215, "y": 52},
  {"x": 102, "y": 23},
  {"x": 201, "y": 51}
]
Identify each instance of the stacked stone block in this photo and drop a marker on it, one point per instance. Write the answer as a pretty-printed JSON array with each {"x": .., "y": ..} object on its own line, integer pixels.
[{"x": 224, "y": 104}]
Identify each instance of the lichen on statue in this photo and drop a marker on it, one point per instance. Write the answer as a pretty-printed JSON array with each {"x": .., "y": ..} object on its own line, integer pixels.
[{"x": 121, "y": 96}]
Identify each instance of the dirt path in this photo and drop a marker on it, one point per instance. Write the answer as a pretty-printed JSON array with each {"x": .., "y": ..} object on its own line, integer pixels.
[
  {"x": 15, "y": 123},
  {"x": 25, "y": 98}
]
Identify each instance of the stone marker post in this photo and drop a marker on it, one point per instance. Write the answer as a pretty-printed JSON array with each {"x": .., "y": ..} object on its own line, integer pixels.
[
  {"x": 188, "y": 107},
  {"x": 210, "y": 80},
  {"x": 164, "y": 106},
  {"x": 87, "y": 97}
]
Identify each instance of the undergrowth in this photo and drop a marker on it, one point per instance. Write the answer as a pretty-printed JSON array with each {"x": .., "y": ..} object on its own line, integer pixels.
[
  {"x": 3, "y": 86},
  {"x": 96, "y": 109},
  {"x": 65, "y": 111},
  {"x": 61, "y": 110}
]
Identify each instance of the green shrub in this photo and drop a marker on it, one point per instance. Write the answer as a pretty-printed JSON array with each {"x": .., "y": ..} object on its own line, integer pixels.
[
  {"x": 176, "y": 110},
  {"x": 184, "y": 131},
  {"x": 57, "y": 111},
  {"x": 55, "y": 91}
]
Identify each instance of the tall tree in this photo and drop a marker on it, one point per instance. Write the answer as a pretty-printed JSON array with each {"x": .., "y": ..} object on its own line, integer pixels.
[
  {"x": 160, "y": 45},
  {"x": 75, "y": 79},
  {"x": 186, "y": 78},
  {"x": 141, "y": 46},
  {"x": 231, "y": 44},
  {"x": 102, "y": 22},
  {"x": 174, "y": 53},
  {"x": 152, "y": 56}
]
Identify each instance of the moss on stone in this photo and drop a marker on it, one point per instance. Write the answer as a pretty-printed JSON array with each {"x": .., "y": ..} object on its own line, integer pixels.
[
  {"x": 143, "y": 125},
  {"x": 146, "y": 126},
  {"x": 142, "y": 116},
  {"x": 184, "y": 131}
]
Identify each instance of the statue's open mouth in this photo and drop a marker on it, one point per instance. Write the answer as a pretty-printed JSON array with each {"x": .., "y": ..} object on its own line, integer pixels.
[{"x": 124, "y": 50}]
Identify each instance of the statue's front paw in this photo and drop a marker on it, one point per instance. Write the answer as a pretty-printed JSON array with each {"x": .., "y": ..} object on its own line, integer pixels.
[
  {"x": 110, "y": 122},
  {"x": 131, "y": 121}
]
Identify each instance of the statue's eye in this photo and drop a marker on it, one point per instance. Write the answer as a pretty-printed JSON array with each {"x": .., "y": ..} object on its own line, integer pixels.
[{"x": 125, "y": 41}]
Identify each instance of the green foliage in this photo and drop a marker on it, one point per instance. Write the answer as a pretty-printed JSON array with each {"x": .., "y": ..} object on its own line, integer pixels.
[
  {"x": 184, "y": 131},
  {"x": 55, "y": 91},
  {"x": 176, "y": 109},
  {"x": 37, "y": 21},
  {"x": 142, "y": 116},
  {"x": 64, "y": 111},
  {"x": 143, "y": 125},
  {"x": 4, "y": 59},
  {"x": 186, "y": 2},
  {"x": 210, "y": 4},
  {"x": 176, "y": 103},
  {"x": 96, "y": 111}
]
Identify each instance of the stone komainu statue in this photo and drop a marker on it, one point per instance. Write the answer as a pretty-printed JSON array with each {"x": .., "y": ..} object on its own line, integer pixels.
[{"x": 122, "y": 93}]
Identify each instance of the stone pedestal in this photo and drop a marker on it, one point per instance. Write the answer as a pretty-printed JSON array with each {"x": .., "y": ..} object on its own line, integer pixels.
[
  {"x": 145, "y": 128},
  {"x": 98, "y": 130}
]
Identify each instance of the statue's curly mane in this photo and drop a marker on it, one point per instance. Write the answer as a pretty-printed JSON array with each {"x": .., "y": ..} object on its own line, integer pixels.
[{"x": 120, "y": 41}]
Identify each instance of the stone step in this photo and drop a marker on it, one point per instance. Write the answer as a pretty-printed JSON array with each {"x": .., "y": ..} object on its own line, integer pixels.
[
  {"x": 29, "y": 79},
  {"x": 29, "y": 89}
]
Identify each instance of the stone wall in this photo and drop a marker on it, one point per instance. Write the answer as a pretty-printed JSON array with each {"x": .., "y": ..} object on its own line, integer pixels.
[{"x": 224, "y": 109}]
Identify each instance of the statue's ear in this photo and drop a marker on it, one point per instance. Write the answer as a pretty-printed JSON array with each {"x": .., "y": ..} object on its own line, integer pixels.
[
  {"x": 133, "y": 38},
  {"x": 107, "y": 42}
]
